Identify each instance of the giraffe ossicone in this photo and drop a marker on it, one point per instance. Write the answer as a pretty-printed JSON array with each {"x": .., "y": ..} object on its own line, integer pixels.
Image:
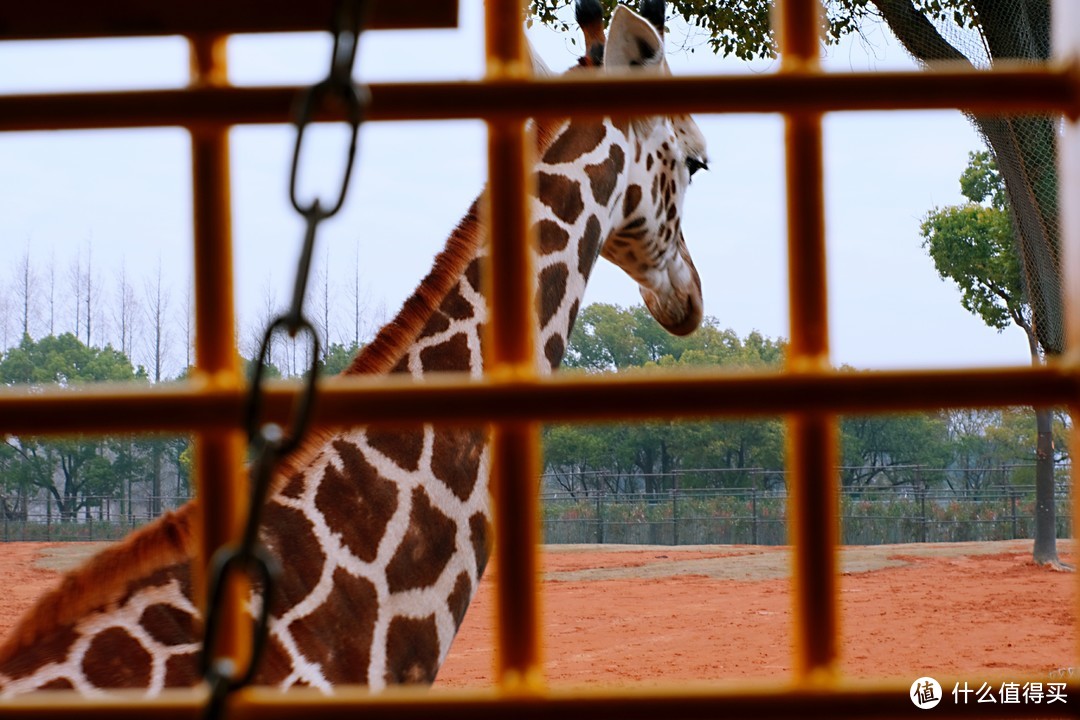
[{"x": 384, "y": 534}]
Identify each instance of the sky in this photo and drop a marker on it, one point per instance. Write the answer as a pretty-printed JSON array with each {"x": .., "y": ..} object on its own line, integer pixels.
[{"x": 125, "y": 195}]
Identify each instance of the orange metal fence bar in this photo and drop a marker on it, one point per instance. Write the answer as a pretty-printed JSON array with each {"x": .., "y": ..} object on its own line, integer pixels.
[
  {"x": 811, "y": 437},
  {"x": 1049, "y": 89},
  {"x": 219, "y": 454},
  {"x": 351, "y": 401},
  {"x": 514, "y": 396},
  {"x": 515, "y": 458}
]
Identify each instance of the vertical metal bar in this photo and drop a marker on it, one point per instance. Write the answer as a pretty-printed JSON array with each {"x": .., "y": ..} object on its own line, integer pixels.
[
  {"x": 511, "y": 342},
  {"x": 811, "y": 450},
  {"x": 1065, "y": 19},
  {"x": 219, "y": 455}
]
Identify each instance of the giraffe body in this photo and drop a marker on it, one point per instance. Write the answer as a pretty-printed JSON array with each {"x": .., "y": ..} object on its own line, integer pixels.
[{"x": 384, "y": 534}]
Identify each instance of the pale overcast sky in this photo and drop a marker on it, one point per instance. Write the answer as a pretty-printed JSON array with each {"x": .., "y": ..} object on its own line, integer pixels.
[{"x": 127, "y": 193}]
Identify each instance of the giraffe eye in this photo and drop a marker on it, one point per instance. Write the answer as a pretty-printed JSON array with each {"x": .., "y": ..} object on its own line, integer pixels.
[{"x": 694, "y": 164}]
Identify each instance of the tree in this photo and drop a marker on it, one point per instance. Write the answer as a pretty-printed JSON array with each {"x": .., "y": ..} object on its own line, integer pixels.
[
  {"x": 652, "y": 455},
  {"x": 1025, "y": 147},
  {"x": 972, "y": 245},
  {"x": 74, "y": 469}
]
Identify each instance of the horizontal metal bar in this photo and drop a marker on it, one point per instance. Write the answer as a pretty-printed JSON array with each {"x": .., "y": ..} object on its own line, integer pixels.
[
  {"x": 1047, "y": 89},
  {"x": 761, "y": 700},
  {"x": 115, "y": 18},
  {"x": 346, "y": 401}
]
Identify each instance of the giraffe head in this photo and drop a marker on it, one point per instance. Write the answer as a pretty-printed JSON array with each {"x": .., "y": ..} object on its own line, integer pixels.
[{"x": 664, "y": 152}]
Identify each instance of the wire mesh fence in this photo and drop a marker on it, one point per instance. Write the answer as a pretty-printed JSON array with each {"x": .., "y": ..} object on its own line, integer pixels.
[
  {"x": 95, "y": 519},
  {"x": 871, "y": 516}
]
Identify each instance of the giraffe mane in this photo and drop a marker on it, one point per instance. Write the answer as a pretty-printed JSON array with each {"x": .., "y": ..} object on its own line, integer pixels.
[{"x": 106, "y": 577}]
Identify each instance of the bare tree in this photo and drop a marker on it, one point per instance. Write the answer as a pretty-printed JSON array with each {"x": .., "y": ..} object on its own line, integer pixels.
[
  {"x": 52, "y": 292},
  {"x": 25, "y": 283},
  {"x": 89, "y": 285},
  {"x": 267, "y": 313},
  {"x": 124, "y": 314},
  {"x": 157, "y": 308},
  {"x": 75, "y": 285},
  {"x": 187, "y": 324}
]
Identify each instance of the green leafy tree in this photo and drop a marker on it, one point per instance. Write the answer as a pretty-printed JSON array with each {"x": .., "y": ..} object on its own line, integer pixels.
[
  {"x": 653, "y": 454},
  {"x": 1025, "y": 146},
  {"x": 71, "y": 469},
  {"x": 338, "y": 357},
  {"x": 891, "y": 450},
  {"x": 972, "y": 245}
]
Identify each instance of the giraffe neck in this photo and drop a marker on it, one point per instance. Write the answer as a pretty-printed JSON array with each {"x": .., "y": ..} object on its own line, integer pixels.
[{"x": 383, "y": 533}]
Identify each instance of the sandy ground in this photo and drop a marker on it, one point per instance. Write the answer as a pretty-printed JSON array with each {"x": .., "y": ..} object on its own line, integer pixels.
[{"x": 621, "y": 615}]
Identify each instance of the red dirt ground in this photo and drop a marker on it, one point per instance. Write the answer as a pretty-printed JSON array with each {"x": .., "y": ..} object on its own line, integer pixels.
[{"x": 622, "y": 615}]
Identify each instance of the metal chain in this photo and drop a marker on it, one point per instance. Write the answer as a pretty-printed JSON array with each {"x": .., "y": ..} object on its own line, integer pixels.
[{"x": 268, "y": 441}]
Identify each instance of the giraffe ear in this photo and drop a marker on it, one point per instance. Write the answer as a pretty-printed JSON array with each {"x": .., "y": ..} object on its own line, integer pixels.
[{"x": 632, "y": 41}]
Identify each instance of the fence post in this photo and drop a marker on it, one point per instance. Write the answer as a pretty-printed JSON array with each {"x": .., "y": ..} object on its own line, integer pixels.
[
  {"x": 675, "y": 516},
  {"x": 90, "y": 522},
  {"x": 922, "y": 514},
  {"x": 599, "y": 518},
  {"x": 1012, "y": 503},
  {"x": 753, "y": 519},
  {"x": 48, "y": 517}
]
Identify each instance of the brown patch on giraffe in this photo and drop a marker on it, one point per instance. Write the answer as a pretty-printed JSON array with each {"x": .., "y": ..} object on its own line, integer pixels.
[
  {"x": 295, "y": 487},
  {"x": 604, "y": 175},
  {"x": 553, "y": 237},
  {"x": 60, "y": 683},
  {"x": 553, "y": 350},
  {"x": 412, "y": 651},
  {"x": 170, "y": 625},
  {"x": 577, "y": 139},
  {"x": 589, "y": 246},
  {"x": 480, "y": 536},
  {"x": 427, "y": 547},
  {"x": 622, "y": 124},
  {"x": 455, "y": 458},
  {"x": 450, "y": 356},
  {"x": 573, "y": 314},
  {"x": 648, "y": 162},
  {"x": 276, "y": 665},
  {"x": 182, "y": 670},
  {"x": 55, "y": 646},
  {"x": 356, "y": 503},
  {"x": 290, "y": 537},
  {"x": 458, "y": 601},
  {"x": 551, "y": 291},
  {"x": 655, "y": 188},
  {"x": 472, "y": 274},
  {"x": 632, "y": 200},
  {"x": 637, "y": 151},
  {"x": 116, "y": 660},
  {"x": 402, "y": 444},
  {"x": 455, "y": 306},
  {"x": 562, "y": 195},
  {"x": 344, "y": 656},
  {"x": 436, "y": 324}
]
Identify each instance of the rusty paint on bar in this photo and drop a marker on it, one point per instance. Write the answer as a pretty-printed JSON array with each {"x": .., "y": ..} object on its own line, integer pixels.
[
  {"x": 515, "y": 457},
  {"x": 218, "y": 455},
  {"x": 119, "y": 18},
  {"x": 1051, "y": 89}
]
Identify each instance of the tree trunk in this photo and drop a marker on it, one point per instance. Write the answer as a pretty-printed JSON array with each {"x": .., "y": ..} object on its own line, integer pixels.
[
  {"x": 1025, "y": 147},
  {"x": 1045, "y": 552}
]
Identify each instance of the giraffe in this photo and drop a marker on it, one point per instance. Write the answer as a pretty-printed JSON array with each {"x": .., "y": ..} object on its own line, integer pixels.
[{"x": 384, "y": 533}]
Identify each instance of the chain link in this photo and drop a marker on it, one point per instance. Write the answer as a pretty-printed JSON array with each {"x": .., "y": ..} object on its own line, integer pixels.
[{"x": 268, "y": 442}]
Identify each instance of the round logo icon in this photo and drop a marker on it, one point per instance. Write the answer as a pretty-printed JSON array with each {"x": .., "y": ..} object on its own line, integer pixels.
[{"x": 925, "y": 693}]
